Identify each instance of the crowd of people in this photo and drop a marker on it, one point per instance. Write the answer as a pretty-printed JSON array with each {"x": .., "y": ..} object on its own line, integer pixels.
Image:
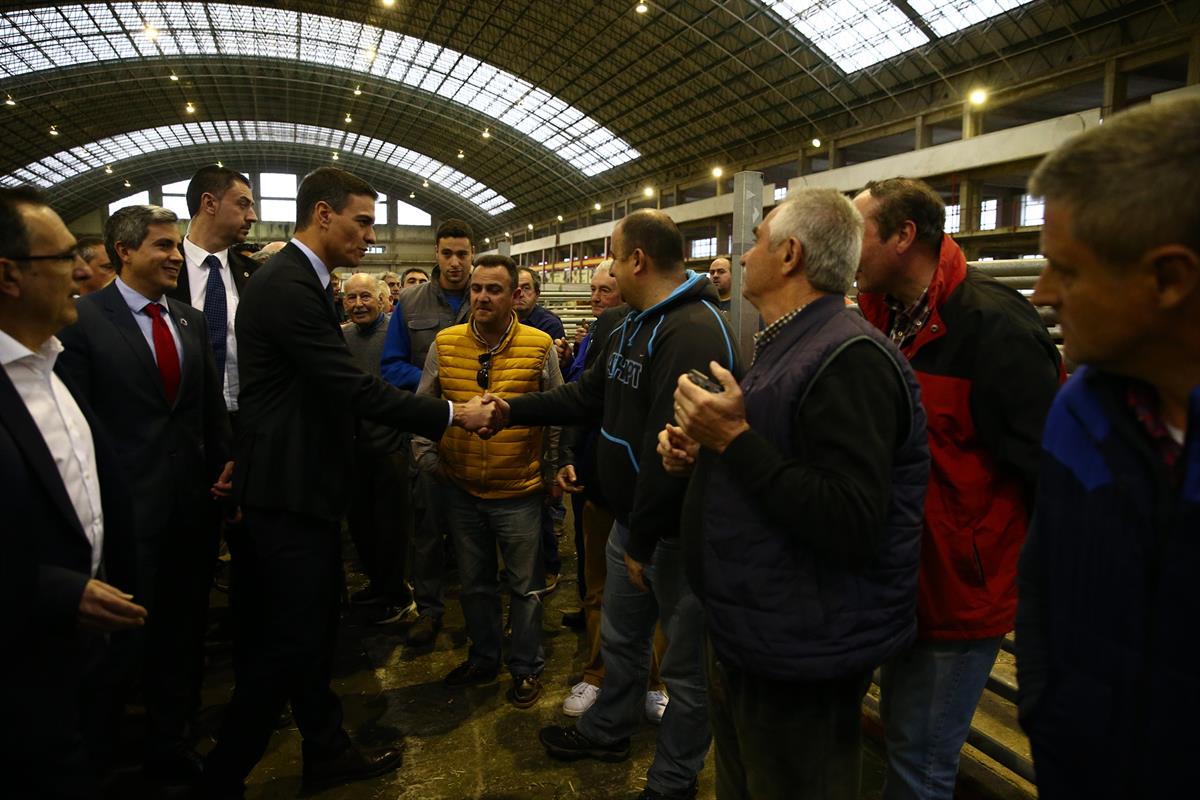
[{"x": 887, "y": 484}]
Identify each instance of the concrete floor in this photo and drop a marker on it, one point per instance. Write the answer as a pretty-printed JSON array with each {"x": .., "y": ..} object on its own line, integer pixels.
[{"x": 459, "y": 744}]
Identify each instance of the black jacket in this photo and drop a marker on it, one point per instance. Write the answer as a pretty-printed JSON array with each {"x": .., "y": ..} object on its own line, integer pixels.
[
  {"x": 300, "y": 392},
  {"x": 630, "y": 390}
]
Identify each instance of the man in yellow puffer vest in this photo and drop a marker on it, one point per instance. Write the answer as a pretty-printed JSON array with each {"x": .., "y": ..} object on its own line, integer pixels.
[{"x": 498, "y": 485}]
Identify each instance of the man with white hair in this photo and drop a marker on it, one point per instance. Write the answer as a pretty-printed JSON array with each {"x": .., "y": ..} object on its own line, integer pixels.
[{"x": 802, "y": 521}]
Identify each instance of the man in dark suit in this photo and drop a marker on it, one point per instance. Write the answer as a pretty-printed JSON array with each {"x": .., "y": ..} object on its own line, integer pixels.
[
  {"x": 66, "y": 514},
  {"x": 214, "y": 273},
  {"x": 144, "y": 363},
  {"x": 300, "y": 393}
]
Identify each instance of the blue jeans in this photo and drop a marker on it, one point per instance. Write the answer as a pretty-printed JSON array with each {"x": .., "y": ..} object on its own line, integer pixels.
[
  {"x": 626, "y": 630},
  {"x": 428, "y": 561},
  {"x": 477, "y": 526},
  {"x": 927, "y": 698}
]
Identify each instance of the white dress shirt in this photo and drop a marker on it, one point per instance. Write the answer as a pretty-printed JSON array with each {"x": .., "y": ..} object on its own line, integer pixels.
[
  {"x": 193, "y": 256},
  {"x": 137, "y": 304},
  {"x": 65, "y": 430}
]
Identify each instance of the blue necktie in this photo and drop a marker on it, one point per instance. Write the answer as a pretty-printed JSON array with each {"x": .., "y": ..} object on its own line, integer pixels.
[{"x": 216, "y": 312}]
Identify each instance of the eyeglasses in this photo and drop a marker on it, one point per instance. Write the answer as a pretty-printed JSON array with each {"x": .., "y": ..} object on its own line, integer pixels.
[
  {"x": 69, "y": 255},
  {"x": 485, "y": 363}
]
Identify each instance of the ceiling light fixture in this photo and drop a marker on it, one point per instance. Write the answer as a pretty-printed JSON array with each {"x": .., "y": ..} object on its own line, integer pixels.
[
  {"x": 128, "y": 185},
  {"x": 487, "y": 134},
  {"x": 349, "y": 118},
  {"x": 560, "y": 218},
  {"x": 717, "y": 172},
  {"x": 596, "y": 206},
  {"x": 53, "y": 130},
  {"x": 219, "y": 164},
  {"x": 335, "y": 156},
  {"x": 425, "y": 184},
  {"x": 487, "y": 240},
  {"x": 648, "y": 191},
  {"x": 10, "y": 101},
  {"x": 412, "y": 195},
  {"x": 389, "y": 3},
  {"x": 191, "y": 109},
  {"x": 641, "y": 8},
  {"x": 108, "y": 170},
  {"x": 529, "y": 226},
  {"x": 977, "y": 97},
  {"x": 508, "y": 234},
  {"x": 816, "y": 142},
  {"x": 461, "y": 154},
  {"x": 357, "y": 91},
  {"x": 174, "y": 77}
]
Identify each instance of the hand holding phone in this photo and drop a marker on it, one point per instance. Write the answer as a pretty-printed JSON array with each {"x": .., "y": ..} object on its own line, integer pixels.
[{"x": 704, "y": 382}]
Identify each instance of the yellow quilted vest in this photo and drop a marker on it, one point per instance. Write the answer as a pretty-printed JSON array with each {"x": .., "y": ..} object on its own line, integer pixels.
[{"x": 510, "y": 463}]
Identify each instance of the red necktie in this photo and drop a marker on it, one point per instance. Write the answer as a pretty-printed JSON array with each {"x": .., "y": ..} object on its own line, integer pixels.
[{"x": 164, "y": 349}]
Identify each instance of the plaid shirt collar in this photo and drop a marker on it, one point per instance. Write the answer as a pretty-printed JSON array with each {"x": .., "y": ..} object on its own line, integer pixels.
[
  {"x": 907, "y": 322},
  {"x": 771, "y": 332},
  {"x": 1142, "y": 400}
]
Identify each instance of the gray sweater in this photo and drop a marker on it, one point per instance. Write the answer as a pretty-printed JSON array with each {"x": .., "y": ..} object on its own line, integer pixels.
[{"x": 366, "y": 346}]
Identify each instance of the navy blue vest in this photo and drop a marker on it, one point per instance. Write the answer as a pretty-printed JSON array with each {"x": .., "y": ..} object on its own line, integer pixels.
[{"x": 773, "y": 609}]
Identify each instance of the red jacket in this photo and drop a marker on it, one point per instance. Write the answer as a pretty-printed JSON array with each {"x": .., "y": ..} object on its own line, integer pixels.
[{"x": 988, "y": 373}]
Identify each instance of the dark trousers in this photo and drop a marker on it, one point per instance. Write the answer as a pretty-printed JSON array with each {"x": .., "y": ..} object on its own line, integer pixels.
[
  {"x": 287, "y": 584},
  {"x": 785, "y": 740},
  {"x": 175, "y": 569},
  {"x": 380, "y": 517}
]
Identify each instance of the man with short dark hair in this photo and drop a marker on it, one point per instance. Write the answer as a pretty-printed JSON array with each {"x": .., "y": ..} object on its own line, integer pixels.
[
  {"x": 413, "y": 276},
  {"x": 721, "y": 276},
  {"x": 301, "y": 392},
  {"x": 423, "y": 311},
  {"x": 221, "y": 205},
  {"x": 674, "y": 326},
  {"x": 143, "y": 362},
  {"x": 988, "y": 372},
  {"x": 91, "y": 250},
  {"x": 807, "y": 495},
  {"x": 1106, "y": 656},
  {"x": 495, "y": 489},
  {"x": 67, "y": 510}
]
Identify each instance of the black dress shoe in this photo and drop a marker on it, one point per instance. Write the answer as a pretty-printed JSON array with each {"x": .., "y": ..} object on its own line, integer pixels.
[
  {"x": 181, "y": 767},
  {"x": 525, "y": 690},
  {"x": 352, "y": 765},
  {"x": 575, "y": 620},
  {"x": 469, "y": 674}
]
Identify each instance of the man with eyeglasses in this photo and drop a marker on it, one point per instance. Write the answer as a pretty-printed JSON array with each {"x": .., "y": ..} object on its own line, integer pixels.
[
  {"x": 66, "y": 512},
  {"x": 496, "y": 486}
]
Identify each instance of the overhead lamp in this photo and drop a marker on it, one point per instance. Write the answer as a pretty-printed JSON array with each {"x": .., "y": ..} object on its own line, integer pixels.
[
  {"x": 648, "y": 191},
  {"x": 717, "y": 172},
  {"x": 335, "y": 156},
  {"x": 487, "y": 134},
  {"x": 816, "y": 142},
  {"x": 529, "y": 226},
  {"x": 107, "y": 170},
  {"x": 461, "y": 154},
  {"x": 641, "y": 8},
  {"x": 560, "y": 218},
  {"x": 425, "y": 184},
  {"x": 53, "y": 130},
  {"x": 191, "y": 109},
  {"x": 977, "y": 97},
  {"x": 219, "y": 164},
  {"x": 174, "y": 77},
  {"x": 349, "y": 118},
  {"x": 508, "y": 234},
  {"x": 596, "y": 206},
  {"x": 389, "y": 3},
  {"x": 412, "y": 195},
  {"x": 357, "y": 91},
  {"x": 150, "y": 31},
  {"x": 128, "y": 185},
  {"x": 10, "y": 101},
  {"x": 487, "y": 240}
]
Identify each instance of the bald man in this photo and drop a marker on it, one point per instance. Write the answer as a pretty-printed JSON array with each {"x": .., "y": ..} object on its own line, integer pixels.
[{"x": 719, "y": 273}]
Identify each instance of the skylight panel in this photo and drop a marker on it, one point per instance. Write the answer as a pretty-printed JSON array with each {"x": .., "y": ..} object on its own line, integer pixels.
[
  {"x": 58, "y": 167},
  {"x": 950, "y": 16},
  {"x": 854, "y": 34},
  {"x": 54, "y": 38}
]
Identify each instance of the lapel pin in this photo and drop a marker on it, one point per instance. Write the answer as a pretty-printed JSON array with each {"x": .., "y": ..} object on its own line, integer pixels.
[
  {"x": 183, "y": 322},
  {"x": 245, "y": 274}
]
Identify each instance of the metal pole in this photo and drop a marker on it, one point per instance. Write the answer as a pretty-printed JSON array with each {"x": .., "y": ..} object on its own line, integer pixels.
[{"x": 747, "y": 213}]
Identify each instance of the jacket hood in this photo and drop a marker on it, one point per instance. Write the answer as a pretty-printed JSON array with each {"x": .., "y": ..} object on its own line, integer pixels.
[{"x": 696, "y": 286}]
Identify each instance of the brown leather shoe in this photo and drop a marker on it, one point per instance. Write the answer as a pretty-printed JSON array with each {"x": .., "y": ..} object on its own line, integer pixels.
[{"x": 353, "y": 764}]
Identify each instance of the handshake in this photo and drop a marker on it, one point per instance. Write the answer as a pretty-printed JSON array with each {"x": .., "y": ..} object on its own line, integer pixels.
[{"x": 485, "y": 415}]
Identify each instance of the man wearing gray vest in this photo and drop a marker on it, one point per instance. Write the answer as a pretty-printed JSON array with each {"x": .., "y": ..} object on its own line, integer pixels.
[{"x": 419, "y": 314}]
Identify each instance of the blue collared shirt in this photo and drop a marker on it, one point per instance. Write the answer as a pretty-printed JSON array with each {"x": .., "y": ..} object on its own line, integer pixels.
[{"x": 137, "y": 305}]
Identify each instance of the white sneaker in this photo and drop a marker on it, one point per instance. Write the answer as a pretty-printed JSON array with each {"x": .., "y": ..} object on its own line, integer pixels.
[
  {"x": 656, "y": 705},
  {"x": 582, "y": 695}
]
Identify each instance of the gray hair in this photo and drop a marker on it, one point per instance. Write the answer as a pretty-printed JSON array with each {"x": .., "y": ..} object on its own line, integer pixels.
[
  {"x": 830, "y": 230},
  {"x": 604, "y": 266},
  {"x": 130, "y": 226},
  {"x": 1132, "y": 182}
]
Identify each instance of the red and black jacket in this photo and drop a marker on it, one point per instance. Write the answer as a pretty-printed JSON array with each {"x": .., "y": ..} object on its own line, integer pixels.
[{"x": 988, "y": 373}]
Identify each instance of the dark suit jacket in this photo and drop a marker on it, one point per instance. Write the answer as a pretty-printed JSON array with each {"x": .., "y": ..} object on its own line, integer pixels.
[
  {"x": 170, "y": 454},
  {"x": 240, "y": 266},
  {"x": 300, "y": 392},
  {"x": 47, "y": 562}
]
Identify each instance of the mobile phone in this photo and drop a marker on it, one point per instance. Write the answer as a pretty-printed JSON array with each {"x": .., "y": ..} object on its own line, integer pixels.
[{"x": 704, "y": 382}]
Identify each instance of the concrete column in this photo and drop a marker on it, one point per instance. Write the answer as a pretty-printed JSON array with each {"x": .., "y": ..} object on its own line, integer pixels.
[
  {"x": 504, "y": 246},
  {"x": 835, "y": 155},
  {"x": 923, "y": 134},
  {"x": 1114, "y": 88},
  {"x": 970, "y": 195},
  {"x": 803, "y": 163},
  {"x": 972, "y": 122},
  {"x": 747, "y": 213}
]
